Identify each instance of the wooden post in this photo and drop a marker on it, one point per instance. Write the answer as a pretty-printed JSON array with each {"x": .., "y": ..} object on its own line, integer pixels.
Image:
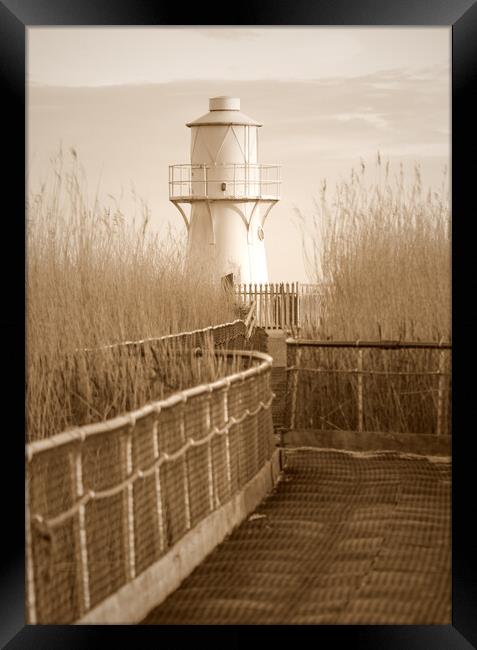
[
  {"x": 267, "y": 305},
  {"x": 440, "y": 394},
  {"x": 297, "y": 307},
  {"x": 210, "y": 469},
  {"x": 272, "y": 310},
  {"x": 294, "y": 389},
  {"x": 292, "y": 306},
  {"x": 273, "y": 306},
  {"x": 360, "y": 389},
  {"x": 83, "y": 550},
  {"x": 30, "y": 574},
  {"x": 285, "y": 309},
  {"x": 157, "y": 476},
  {"x": 228, "y": 465},
  {"x": 258, "y": 307},
  {"x": 284, "y": 306},
  {"x": 130, "y": 507},
  {"x": 184, "y": 472}
]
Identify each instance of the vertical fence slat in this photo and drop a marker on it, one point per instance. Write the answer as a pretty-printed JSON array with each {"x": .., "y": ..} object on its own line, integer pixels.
[
  {"x": 184, "y": 471},
  {"x": 297, "y": 308},
  {"x": 157, "y": 478},
  {"x": 79, "y": 489},
  {"x": 360, "y": 389},
  {"x": 131, "y": 553},
  {"x": 210, "y": 469},
  {"x": 31, "y": 593},
  {"x": 293, "y": 360},
  {"x": 267, "y": 303},
  {"x": 440, "y": 393},
  {"x": 228, "y": 466},
  {"x": 275, "y": 306},
  {"x": 287, "y": 305},
  {"x": 282, "y": 305},
  {"x": 292, "y": 303}
]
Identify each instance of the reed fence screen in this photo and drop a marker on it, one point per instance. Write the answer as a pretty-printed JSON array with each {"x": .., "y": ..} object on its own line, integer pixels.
[
  {"x": 396, "y": 387},
  {"x": 106, "y": 501}
]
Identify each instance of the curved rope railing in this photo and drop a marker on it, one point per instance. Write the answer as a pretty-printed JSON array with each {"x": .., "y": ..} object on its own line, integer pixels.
[
  {"x": 107, "y": 500},
  {"x": 223, "y": 335}
]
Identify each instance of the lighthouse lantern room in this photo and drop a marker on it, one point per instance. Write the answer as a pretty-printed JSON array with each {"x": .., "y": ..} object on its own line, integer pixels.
[{"x": 229, "y": 193}]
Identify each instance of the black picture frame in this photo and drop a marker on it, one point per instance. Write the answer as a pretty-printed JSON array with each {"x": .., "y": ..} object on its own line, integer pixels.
[{"x": 15, "y": 17}]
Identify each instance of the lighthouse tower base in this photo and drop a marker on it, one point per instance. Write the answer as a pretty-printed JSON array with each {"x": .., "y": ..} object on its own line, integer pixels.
[{"x": 227, "y": 238}]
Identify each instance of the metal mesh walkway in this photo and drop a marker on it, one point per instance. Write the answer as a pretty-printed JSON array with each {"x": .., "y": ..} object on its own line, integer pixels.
[{"x": 345, "y": 537}]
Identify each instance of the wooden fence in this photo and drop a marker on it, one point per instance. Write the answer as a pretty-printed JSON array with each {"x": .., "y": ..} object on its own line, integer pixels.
[{"x": 277, "y": 304}]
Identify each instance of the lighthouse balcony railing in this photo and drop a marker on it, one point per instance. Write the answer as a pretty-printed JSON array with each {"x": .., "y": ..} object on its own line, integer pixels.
[{"x": 233, "y": 181}]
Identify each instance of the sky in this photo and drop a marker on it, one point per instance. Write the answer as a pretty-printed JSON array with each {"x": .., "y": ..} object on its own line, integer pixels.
[{"x": 327, "y": 97}]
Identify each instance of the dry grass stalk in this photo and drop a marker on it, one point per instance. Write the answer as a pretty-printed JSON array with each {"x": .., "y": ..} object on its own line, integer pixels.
[
  {"x": 381, "y": 253},
  {"x": 93, "y": 278}
]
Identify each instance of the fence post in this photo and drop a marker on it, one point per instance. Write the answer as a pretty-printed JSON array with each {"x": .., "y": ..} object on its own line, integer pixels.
[
  {"x": 31, "y": 596},
  {"x": 275, "y": 306},
  {"x": 297, "y": 316},
  {"x": 227, "y": 439},
  {"x": 282, "y": 305},
  {"x": 79, "y": 490},
  {"x": 440, "y": 394},
  {"x": 253, "y": 423},
  {"x": 286, "y": 299},
  {"x": 184, "y": 471},
  {"x": 267, "y": 305},
  {"x": 360, "y": 389},
  {"x": 157, "y": 476},
  {"x": 213, "y": 497},
  {"x": 130, "y": 505},
  {"x": 293, "y": 355},
  {"x": 258, "y": 308}
]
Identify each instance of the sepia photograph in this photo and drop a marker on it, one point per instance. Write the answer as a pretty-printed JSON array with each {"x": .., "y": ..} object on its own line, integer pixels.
[{"x": 238, "y": 325}]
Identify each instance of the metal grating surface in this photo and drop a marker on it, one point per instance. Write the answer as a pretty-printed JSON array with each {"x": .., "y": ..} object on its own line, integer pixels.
[{"x": 345, "y": 538}]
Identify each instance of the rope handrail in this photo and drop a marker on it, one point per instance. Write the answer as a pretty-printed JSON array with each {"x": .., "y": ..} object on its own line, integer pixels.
[
  {"x": 165, "y": 337},
  {"x": 386, "y": 345},
  {"x": 348, "y": 371},
  {"x": 107, "y": 500},
  {"x": 53, "y": 522},
  {"x": 309, "y": 369}
]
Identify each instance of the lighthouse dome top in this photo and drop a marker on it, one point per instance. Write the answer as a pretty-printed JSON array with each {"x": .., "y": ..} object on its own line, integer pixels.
[
  {"x": 224, "y": 110},
  {"x": 224, "y": 103}
]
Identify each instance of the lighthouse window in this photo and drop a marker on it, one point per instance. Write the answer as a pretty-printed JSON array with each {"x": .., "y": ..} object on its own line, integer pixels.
[{"x": 260, "y": 233}]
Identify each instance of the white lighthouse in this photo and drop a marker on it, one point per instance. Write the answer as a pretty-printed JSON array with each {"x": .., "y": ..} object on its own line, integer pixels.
[{"x": 230, "y": 194}]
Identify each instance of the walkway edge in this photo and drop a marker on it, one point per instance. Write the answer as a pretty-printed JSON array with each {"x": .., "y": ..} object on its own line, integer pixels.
[{"x": 134, "y": 601}]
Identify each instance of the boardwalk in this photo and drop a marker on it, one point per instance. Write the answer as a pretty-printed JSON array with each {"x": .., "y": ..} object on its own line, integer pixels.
[{"x": 345, "y": 537}]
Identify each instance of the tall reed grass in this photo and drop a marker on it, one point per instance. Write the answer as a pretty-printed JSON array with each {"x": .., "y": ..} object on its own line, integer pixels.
[
  {"x": 380, "y": 253},
  {"x": 380, "y": 249},
  {"x": 95, "y": 277}
]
